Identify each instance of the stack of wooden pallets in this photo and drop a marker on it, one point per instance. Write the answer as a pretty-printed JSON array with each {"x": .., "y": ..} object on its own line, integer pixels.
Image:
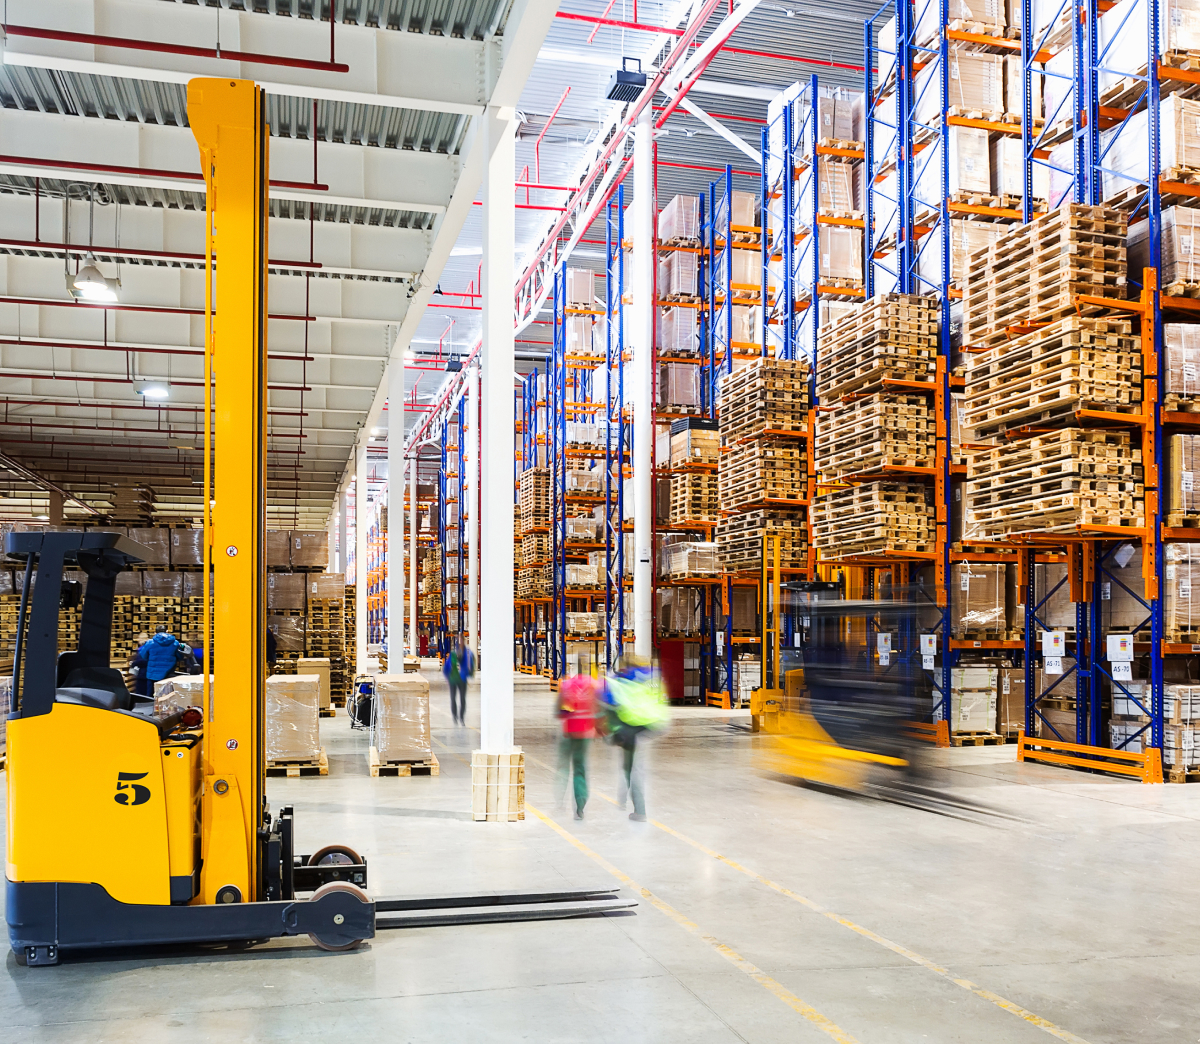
[
  {"x": 535, "y": 499},
  {"x": 762, "y": 479},
  {"x": 872, "y": 518},
  {"x": 1042, "y": 377},
  {"x": 1034, "y": 273},
  {"x": 891, "y": 338},
  {"x": 1054, "y": 483},
  {"x": 865, "y": 436},
  {"x": 694, "y": 499}
]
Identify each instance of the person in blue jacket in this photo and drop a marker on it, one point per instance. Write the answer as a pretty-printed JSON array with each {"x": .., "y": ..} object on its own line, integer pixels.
[{"x": 157, "y": 659}]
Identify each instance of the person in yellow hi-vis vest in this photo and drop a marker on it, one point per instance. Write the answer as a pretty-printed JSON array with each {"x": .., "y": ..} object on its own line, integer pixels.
[{"x": 637, "y": 709}]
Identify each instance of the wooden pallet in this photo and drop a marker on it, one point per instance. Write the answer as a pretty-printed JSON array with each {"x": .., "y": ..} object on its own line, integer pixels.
[
  {"x": 425, "y": 767},
  {"x": 868, "y": 434},
  {"x": 295, "y": 767},
  {"x": 328, "y": 712},
  {"x": 975, "y": 739},
  {"x": 1183, "y": 775}
]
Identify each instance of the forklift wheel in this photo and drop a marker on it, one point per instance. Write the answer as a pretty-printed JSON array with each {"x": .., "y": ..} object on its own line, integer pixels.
[
  {"x": 337, "y": 886},
  {"x": 332, "y": 854}
]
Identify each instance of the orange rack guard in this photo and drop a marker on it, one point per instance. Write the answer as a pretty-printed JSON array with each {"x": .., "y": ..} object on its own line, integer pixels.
[
  {"x": 1146, "y": 766},
  {"x": 936, "y": 732}
]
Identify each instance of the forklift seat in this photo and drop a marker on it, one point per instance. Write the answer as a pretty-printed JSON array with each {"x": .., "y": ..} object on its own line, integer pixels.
[{"x": 96, "y": 686}]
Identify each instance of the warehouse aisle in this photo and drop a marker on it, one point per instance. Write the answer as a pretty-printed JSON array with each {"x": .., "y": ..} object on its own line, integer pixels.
[{"x": 771, "y": 913}]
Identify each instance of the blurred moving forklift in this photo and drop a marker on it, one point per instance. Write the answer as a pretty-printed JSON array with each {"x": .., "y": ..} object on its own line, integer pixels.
[{"x": 157, "y": 829}]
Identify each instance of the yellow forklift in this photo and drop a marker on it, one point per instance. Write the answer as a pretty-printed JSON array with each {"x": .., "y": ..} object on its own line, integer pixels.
[{"x": 131, "y": 827}]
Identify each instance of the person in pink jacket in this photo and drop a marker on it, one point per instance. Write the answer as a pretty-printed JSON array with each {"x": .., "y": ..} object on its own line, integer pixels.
[{"x": 577, "y": 704}]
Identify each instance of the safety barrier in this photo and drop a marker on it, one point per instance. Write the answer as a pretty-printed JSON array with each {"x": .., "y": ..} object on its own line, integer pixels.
[
  {"x": 935, "y": 732},
  {"x": 1144, "y": 765}
]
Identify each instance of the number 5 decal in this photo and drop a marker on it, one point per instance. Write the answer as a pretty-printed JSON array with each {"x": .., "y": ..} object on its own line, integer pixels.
[{"x": 125, "y": 784}]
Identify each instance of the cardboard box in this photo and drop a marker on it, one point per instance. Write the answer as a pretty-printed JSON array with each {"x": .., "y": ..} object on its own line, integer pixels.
[
  {"x": 1008, "y": 173},
  {"x": 841, "y": 252},
  {"x": 1013, "y": 97},
  {"x": 1010, "y": 701},
  {"x": 293, "y": 721},
  {"x": 979, "y": 598},
  {"x": 679, "y": 385},
  {"x": 187, "y": 547},
  {"x": 154, "y": 540},
  {"x": 289, "y": 632},
  {"x": 326, "y": 585},
  {"x": 128, "y": 583},
  {"x": 680, "y": 220},
  {"x": 162, "y": 584},
  {"x": 678, "y": 274},
  {"x": 1127, "y": 149},
  {"x": 285, "y": 591},
  {"x": 581, "y": 288},
  {"x": 310, "y": 550},
  {"x": 1183, "y": 462},
  {"x": 279, "y": 551},
  {"x": 976, "y": 84},
  {"x": 988, "y": 12},
  {"x": 401, "y": 730},
  {"x": 318, "y": 666},
  {"x": 678, "y": 331},
  {"x": 693, "y": 446},
  {"x": 973, "y": 699},
  {"x": 1181, "y": 588},
  {"x": 179, "y": 693},
  {"x": 1181, "y": 352}
]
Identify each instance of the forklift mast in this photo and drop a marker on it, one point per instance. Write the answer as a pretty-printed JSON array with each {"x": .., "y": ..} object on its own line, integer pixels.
[{"x": 228, "y": 120}]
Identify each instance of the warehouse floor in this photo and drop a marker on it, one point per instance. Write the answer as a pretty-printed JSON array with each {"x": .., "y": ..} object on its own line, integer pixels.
[{"x": 769, "y": 912}]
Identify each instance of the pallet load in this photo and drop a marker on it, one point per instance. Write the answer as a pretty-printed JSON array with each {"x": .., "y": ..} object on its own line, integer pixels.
[
  {"x": 535, "y": 499},
  {"x": 497, "y": 787},
  {"x": 179, "y": 693},
  {"x": 1034, "y": 272},
  {"x": 1181, "y": 608},
  {"x": 1054, "y": 483},
  {"x": 1010, "y": 702},
  {"x": 1183, "y": 500},
  {"x": 694, "y": 499},
  {"x": 973, "y": 706},
  {"x": 873, "y": 518},
  {"x": 761, "y": 472},
  {"x": 400, "y": 741},
  {"x": 980, "y": 602},
  {"x": 740, "y": 539},
  {"x": 1181, "y": 355},
  {"x": 866, "y": 436},
  {"x": 293, "y": 739},
  {"x": 1044, "y": 376}
]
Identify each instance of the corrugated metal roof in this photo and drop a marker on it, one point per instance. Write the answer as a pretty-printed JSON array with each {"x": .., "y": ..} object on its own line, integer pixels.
[{"x": 463, "y": 19}]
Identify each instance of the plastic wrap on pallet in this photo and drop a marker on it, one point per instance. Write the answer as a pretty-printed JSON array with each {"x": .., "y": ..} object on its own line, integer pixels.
[
  {"x": 289, "y": 632},
  {"x": 402, "y": 717},
  {"x": 310, "y": 550},
  {"x": 835, "y": 117},
  {"x": 1008, "y": 171},
  {"x": 1181, "y": 344},
  {"x": 157, "y": 584},
  {"x": 973, "y": 699},
  {"x": 976, "y": 84},
  {"x": 279, "y": 552},
  {"x": 835, "y": 183},
  {"x": 986, "y": 13},
  {"x": 680, "y": 219},
  {"x": 1013, "y": 101},
  {"x": 584, "y": 530},
  {"x": 320, "y": 667},
  {"x": 747, "y": 325},
  {"x": 1122, "y": 590},
  {"x": 1126, "y": 147},
  {"x": 678, "y": 331},
  {"x": 187, "y": 547},
  {"x": 678, "y": 274},
  {"x": 1181, "y": 703},
  {"x": 580, "y": 575},
  {"x": 581, "y": 288},
  {"x": 841, "y": 252},
  {"x": 589, "y": 481},
  {"x": 678, "y": 385},
  {"x": 745, "y": 270},
  {"x": 1010, "y": 700},
  {"x": 128, "y": 583},
  {"x": 579, "y": 335},
  {"x": 156, "y": 543},
  {"x": 584, "y": 623},
  {"x": 970, "y": 164},
  {"x": 179, "y": 693},
  {"x": 292, "y": 721},
  {"x": 979, "y": 600},
  {"x": 690, "y": 558},
  {"x": 1123, "y": 39},
  {"x": 1183, "y": 463},
  {"x": 679, "y": 609},
  {"x": 285, "y": 591},
  {"x": 1180, "y": 240},
  {"x": 743, "y": 209}
]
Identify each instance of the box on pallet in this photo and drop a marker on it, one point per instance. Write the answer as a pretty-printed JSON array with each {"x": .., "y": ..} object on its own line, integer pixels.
[
  {"x": 679, "y": 221},
  {"x": 1010, "y": 700},
  {"x": 309, "y": 550},
  {"x": 679, "y": 385},
  {"x": 841, "y": 252},
  {"x": 289, "y": 632},
  {"x": 179, "y": 693},
  {"x": 187, "y": 547},
  {"x": 1013, "y": 100},
  {"x": 973, "y": 699},
  {"x": 279, "y": 552},
  {"x": 976, "y": 85},
  {"x": 285, "y": 591},
  {"x": 678, "y": 274},
  {"x": 1124, "y": 40},
  {"x": 401, "y": 730},
  {"x": 292, "y": 719},
  {"x": 694, "y": 441},
  {"x": 1181, "y": 351},
  {"x": 581, "y": 288},
  {"x": 979, "y": 598},
  {"x": 976, "y": 13},
  {"x": 677, "y": 331},
  {"x": 1183, "y": 462},
  {"x": 584, "y": 623},
  {"x": 1008, "y": 172},
  {"x": 1181, "y": 592},
  {"x": 319, "y": 667},
  {"x": 690, "y": 558},
  {"x": 1127, "y": 147},
  {"x": 1180, "y": 245},
  {"x": 678, "y": 609},
  {"x": 579, "y": 335},
  {"x": 970, "y": 163},
  {"x": 155, "y": 542}
]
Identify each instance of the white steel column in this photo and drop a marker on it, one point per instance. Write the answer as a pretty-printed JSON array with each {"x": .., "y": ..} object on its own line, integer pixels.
[
  {"x": 414, "y": 642},
  {"x": 360, "y": 553},
  {"x": 474, "y": 526},
  {"x": 395, "y": 501},
  {"x": 343, "y": 559},
  {"x": 496, "y": 558},
  {"x": 642, "y": 336}
]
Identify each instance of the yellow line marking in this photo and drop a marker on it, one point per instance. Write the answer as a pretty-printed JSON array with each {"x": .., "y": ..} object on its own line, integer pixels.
[
  {"x": 866, "y": 933},
  {"x": 736, "y": 959}
]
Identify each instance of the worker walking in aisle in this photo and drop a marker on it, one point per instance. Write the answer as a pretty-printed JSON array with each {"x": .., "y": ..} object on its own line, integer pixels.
[
  {"x": 459, "y": 666},
  {"x": 637, "y": 711},
  {"x": 577, "y": 704},
  {"x": 157, "y": 659}
]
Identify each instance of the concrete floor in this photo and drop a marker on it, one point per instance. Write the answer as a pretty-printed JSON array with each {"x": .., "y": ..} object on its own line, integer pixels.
[{"x": 769, "y": 912}]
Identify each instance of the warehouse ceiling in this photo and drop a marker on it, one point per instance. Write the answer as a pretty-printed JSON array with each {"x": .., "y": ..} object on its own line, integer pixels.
[{"x": 375, "y": 240}]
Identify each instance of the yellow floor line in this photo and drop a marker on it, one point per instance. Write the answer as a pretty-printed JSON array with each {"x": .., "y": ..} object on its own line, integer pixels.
[
  {"x": 866, "y": 933},
  {"x": 732, "y": 956}
]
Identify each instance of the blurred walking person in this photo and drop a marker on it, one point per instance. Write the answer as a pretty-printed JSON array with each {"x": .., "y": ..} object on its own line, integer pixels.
[
  {"x": 577, "y": 705},
  {"x": 459, "y": 666},
  {"x": 637, "y": 710}
]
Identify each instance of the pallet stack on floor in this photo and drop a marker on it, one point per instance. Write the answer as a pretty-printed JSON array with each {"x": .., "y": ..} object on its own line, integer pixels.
[
  {"x": 875, "y": 431},
  {"x": 763, "y": 475}
]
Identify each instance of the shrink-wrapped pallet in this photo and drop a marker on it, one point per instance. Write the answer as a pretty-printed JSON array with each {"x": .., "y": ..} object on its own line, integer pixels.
[
  {"x": 320, "y": 667},
  {"x": 678, "y": 331},
  {"x": 584, "y": 623},
  {"x": 690, "y": 558},
  {"x": 584, "y": 530},
  {"x": 156, "y": 542},
  {"x": 585, "y": 481},
  {"x": 979, "y": 600},
  {"x": 973, "y": 699},
  {"x": 1126, "y": 148},
  {"x": 157, "y": 584},
  {"x": 285, "y": 591},
  {"x": 326, "y": 585},
  {"x": 581, "y": 575},
  {"x": 835, "y": 117},
  {"x": 1010, "y": 701},
  {"x": 310, "y": 550},
  {"x": 187, "y": 547},
  {"x": 579, "y": 335},
  {"x": 1123, "y": 38},
  {"x": 128, "y": 583},
  {"x": 979, "y": 15},
  {"x": 1008, "y": 171},
  {"x": 1180, "y": 248},
  {"x": 694, "y": 445},
  {"x": 1181, "y": 350},
  {"x": 1013, "y": 98},
  {"x": 402, "y": 717},
  {"x": 677, "y": 274},
  {"x": 179, "y": 693},
  {"x": 678, "y": 610},
  {"x": 679, "y": 386},
  {"x": 747, "y": 326},
  {"x": 970, "y": 167},
  {"x": 5, "y": 709},
  {"x": 1183, "y": 463},
  {"x": 745, "y": 269},
  {"x": 293, "y": 717},
  {"x": 743, "y": 210},
  {"x": 976, "y": 86},
  {"x": 841, "y": 252},
  {"x": 289, "y": 632},
  {"x": 679, "y": 222},
  {"x": 581, "y": 288}
]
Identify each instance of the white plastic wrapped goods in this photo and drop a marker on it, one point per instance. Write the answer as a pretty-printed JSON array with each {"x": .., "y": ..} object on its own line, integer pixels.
[
  {"x": 1123, "y": 35},
  {"x": 1183, "y": 462},
  {"x": 581, "y": 288},
  {"x": 584, "y": 623},
  {"x": 1008, "y": 173},
  {"x": 579, "y": 335},
  {"x": 680, "y": 220},
  {"x": 1127, "y": 148},
  {"x": 976, "y": 84},
  {"x": 841, "y": 252},
  {"x": 1013, "y": 98},
  {"x": 293, "y": 722},
  {"x": 973, "y": 699},
  {"x": 679, "y": 384},
  {"x": 1181, "y": 342},
  {"x": 402, "y": 717},
  {"x": 745, "y": 269},
  {"x": 970, "y": 165},
  {"x": 581, "y": 481},
  {"x": 987, "y": 12},
  {"x": 1180, "y": 240},
  {"x": 1181, "y": 589},
  {"x": 679, "y": 331},
  {"x": 179, "y": 693},
  {"x": 584, "y": 530},
  {"x": 580, "y": 575},
  {"x": 678, "y": 274},
  {"x": 744, "y": 210},
  {"x": 747, "y": 326}
]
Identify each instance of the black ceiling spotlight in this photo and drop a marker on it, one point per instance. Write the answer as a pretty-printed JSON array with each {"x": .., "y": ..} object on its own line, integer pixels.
[{"x": 626, "y": 84}]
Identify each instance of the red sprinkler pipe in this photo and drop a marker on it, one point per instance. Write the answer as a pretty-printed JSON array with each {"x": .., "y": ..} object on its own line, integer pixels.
[
  {"x": 166, "y": 255},
  {"x": 143, "y": 172},
  {"x": 111, "y": 307}
]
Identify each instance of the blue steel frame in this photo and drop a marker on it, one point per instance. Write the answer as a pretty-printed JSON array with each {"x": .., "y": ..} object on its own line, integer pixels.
[
  {"x": 615, "y": 453},
  {"x": 556, "y": 435}
]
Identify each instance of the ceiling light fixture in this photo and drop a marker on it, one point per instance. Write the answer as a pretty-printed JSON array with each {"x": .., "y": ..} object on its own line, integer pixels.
[
  {"x": 152, "y": 389},
  {"x": 89, "y": 282}
]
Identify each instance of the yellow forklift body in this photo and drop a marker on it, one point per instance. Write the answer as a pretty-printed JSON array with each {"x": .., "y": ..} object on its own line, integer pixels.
[
  {"x": 92, "y": 816},
  {"x": 181, "y": 785}
]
